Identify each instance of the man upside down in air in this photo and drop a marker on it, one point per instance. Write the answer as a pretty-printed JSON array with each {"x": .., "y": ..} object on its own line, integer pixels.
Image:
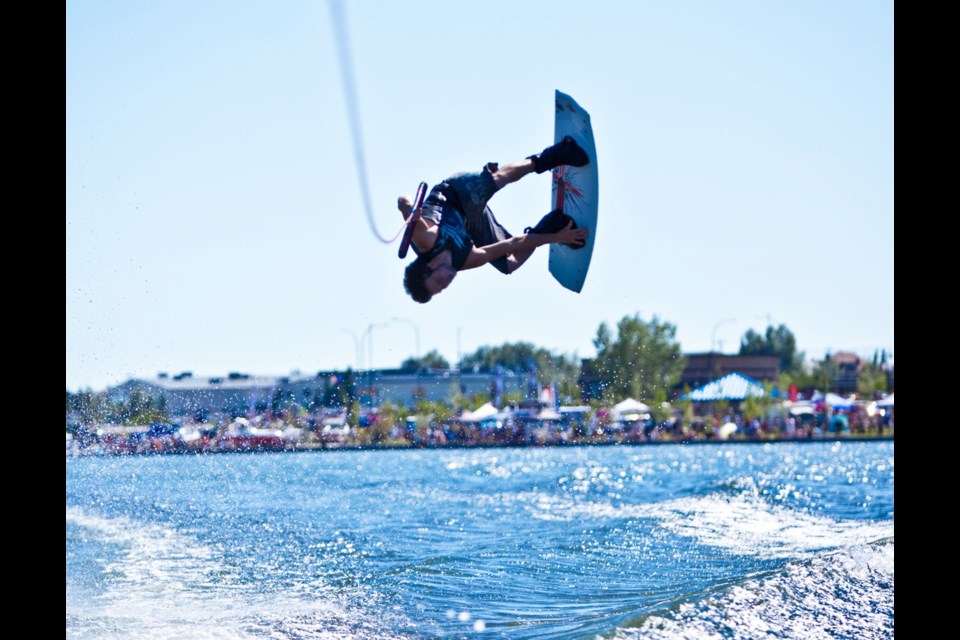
[{"x": 458, "y": 231}]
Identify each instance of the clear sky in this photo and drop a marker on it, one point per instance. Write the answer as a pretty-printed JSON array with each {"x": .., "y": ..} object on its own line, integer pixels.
[{"x": 215, "y": 220}]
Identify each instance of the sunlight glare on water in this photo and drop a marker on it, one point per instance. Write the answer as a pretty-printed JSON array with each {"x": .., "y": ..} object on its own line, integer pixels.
[{"x": 659, "y": 541}]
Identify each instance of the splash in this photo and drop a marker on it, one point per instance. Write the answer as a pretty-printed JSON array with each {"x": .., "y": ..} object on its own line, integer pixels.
[
  {"x": 162, "y": 583},
  {"x": 743, "y": 523},
  {"x": 815, "y": 599}
]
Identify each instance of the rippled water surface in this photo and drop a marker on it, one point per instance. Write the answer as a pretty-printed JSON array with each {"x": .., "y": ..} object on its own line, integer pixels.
[{"x": 784, "y": 540}]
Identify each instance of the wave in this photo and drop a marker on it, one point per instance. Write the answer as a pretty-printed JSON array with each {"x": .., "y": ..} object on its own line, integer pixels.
[
  {"x": 741, "y": 521},
  {"x": 748, "y": 525},
  {"x": 161, "y": 583},
  {"x": 843, "y": 595}
]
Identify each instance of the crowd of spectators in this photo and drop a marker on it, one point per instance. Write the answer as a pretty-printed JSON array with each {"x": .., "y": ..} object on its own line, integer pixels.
[{"x": 537, "y": 426}]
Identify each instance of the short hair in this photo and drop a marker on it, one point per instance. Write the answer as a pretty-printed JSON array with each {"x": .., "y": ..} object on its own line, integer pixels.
[{"x": 415, "y": 280}]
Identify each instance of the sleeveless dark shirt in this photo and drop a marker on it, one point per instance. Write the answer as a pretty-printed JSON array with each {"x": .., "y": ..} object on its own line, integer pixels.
[{"x": 451, "y": 234}]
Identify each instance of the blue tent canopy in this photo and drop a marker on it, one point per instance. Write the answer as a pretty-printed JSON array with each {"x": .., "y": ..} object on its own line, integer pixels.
[{"x": 733, "y": 386}]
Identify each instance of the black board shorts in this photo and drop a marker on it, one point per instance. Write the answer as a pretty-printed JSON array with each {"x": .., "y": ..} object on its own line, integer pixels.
[{"x": 470, "y": 192}]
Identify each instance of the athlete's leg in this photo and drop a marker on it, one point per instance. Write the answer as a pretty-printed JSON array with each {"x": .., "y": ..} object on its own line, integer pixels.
[
  {"x": 511, "y": 172},
  {"x": 567, "y": 151}
]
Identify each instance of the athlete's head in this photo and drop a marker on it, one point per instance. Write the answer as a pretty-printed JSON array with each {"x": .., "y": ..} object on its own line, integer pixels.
[{"x": 423, "y": 279}]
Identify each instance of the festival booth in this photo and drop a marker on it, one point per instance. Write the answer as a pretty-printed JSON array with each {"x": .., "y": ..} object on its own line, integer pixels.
[
  {"x": 541, "y": 425},
  {"x": 630, "y": 415},
  {"x": 483, "y": 412},
  {"x": 839, "y": 403},
  {"x": 630, "y": 410},
  {"x": 485, "y": 417},
  {"x": 885, "y": 408},
  {"x": 732, "y": 387}
]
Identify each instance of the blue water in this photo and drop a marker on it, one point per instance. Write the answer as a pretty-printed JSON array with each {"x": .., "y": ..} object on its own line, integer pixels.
[{"x": 782, "y": 540}]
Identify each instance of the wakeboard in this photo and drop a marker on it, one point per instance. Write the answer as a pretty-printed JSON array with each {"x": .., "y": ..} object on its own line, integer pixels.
[{"x": 575, "y": 192}]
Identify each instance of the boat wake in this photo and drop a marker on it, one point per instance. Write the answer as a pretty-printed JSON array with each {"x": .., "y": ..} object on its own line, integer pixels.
[
  {"x": 842, "y": 594},
  {"x": 159, "y": 583}
]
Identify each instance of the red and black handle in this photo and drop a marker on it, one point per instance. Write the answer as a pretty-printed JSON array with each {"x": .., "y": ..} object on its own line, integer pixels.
[{"x": 415, "y": 212}]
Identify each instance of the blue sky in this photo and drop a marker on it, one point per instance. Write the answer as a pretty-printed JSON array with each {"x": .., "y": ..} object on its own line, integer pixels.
[{"x": 215, "y": 221}]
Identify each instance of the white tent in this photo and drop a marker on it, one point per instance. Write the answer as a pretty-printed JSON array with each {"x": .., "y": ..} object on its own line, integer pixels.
[
  {"x": 726, "y": 430},
  {"x": 886, "y": 402},
  {"x": 548, "y": 414},
  {"x": 630, "y": 410},
  {"x": 631, "y": 406},
  {"x": 483, "y": 412},
  {"x": 838, "y": 402},
  {"x": 800, "y": 409}
]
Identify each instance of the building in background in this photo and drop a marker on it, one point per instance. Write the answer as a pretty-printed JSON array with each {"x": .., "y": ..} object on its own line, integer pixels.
[{"x": 239, "y": 394}]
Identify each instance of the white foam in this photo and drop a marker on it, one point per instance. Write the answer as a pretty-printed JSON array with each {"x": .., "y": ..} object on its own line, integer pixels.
[
  {"x": 743, "y": 523},
  {"x": 748, "y": 525},
  {"x": 166, "y": 584},
  {"x": 847, "y": 594}
]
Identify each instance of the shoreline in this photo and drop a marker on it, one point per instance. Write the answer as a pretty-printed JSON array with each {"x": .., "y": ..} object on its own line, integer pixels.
[{"x": 491, "y": 445}]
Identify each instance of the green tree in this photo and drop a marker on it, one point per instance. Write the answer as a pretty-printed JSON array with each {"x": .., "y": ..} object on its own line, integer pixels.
[
  {"x": 777, "y": 341},
  {"x": 550, "y": 368},
  {"x": 721, "y": 408},
  {"x": 457, "y": 398},
  {"x": 142, "y": 408},
  {"x": 341, "y": 391},
  {"x": 759, "y": 406},
  {"x": 518, "y": 356},
  {"x": 871, "y": 380},
  {"x": 802, "y": 379},
  {"x": 390, "y": 415},
  {"x": 89, "y": 408},
  {"x": 276, "y": 402},
  {"x": 659, "y": 408},
  {"x": 432, "y": 360},
  {"x": 568, "y": 390},
  {"x": 439, "y": 411},
  {"x": 825, "y": 373},
  {"x": 513, "y": 397},
  {"x": 428, "y": 412},
  {"x": 642, "y": 358},
  {"x": 685, "y": 405},
  {"x": 751, "y": 408}
]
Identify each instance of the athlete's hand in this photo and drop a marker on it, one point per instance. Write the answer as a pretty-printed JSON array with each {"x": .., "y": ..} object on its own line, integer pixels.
[
  {"x": 405, "y": 204},
  {"x": 569, "y": 235}
]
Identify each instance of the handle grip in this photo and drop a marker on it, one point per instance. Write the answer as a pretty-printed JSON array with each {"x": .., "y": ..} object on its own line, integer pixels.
[{"x": 415, "y": 212}]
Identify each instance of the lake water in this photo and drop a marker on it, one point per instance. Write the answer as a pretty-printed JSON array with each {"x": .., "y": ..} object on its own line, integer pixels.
[{"x": 672, "y": 541}]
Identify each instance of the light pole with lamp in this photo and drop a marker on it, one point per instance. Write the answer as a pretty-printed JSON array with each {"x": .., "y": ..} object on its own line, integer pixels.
[
  {"x": 713, "y": 334},
  {"x": 715, "y": 370},
  {"x": 417, "y": 390},
  {"x": 356, "y": 347},
  {"x": 368, "y": 337},
  {"x": 416, "y": 332}
]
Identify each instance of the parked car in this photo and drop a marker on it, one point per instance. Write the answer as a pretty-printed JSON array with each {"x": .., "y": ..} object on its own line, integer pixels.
[
  {"x": 335, "y": 432},
  {"x": 241, "y": 436}
]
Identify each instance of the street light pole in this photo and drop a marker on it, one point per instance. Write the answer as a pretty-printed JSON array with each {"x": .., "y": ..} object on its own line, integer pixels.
[
  {"x": 713, "y": 334},
  {"x": 368, "y": 339},
  {"x": 368, "y": 336},
  {"x": 356, "y": 347},
  {"x": 416, "y": 332}
]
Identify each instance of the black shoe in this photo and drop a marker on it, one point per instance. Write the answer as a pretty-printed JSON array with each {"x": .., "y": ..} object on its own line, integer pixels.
[
  {"x": 565, "y": 152},
  {"x": 553, "y": 222}
]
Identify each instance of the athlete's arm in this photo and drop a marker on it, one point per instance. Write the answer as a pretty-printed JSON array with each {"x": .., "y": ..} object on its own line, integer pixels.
[
  {"x": 425, "y": 231},
  {"x": 522, "y": 244},
  {"x": 405, "y": 205}
]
